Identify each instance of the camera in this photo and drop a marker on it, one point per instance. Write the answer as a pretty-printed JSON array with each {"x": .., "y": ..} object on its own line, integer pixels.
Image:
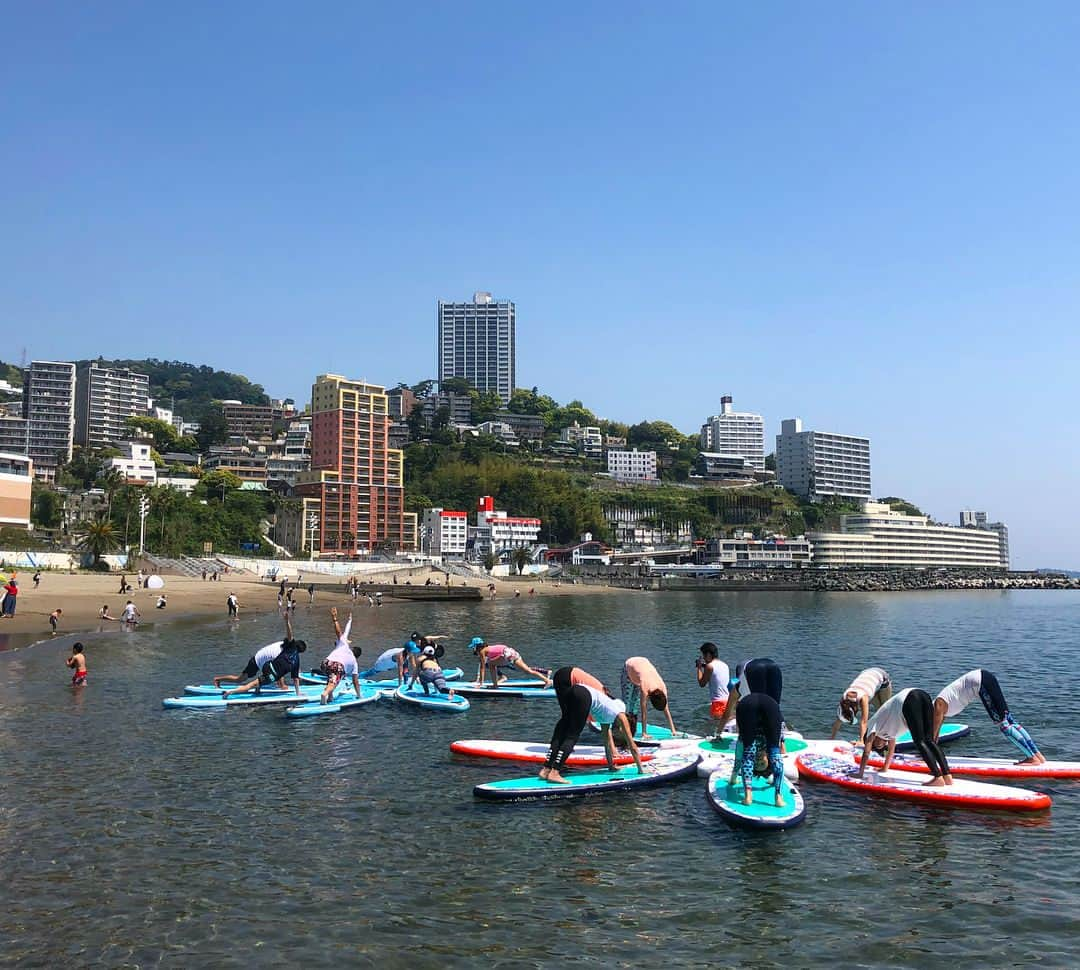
[{"x": 699, "y": 663}]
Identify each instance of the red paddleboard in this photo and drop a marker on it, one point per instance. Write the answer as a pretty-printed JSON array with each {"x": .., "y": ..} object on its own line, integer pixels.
[
  {"x": 908, "y": 786},
  {"x": 585, "y": 755},
  {"x": 985, "y": 767}
]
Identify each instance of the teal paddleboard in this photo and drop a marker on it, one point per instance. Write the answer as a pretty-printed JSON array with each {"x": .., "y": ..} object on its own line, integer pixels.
[
  {"x": 434, "y": 701},
  {"x": 949, "y": 732},
  {"x": 340, "y": 703},
  {"x": 762, "y": 812},
  {"x": 659, "y": 771},
  {"x": 512, "y": 688}
]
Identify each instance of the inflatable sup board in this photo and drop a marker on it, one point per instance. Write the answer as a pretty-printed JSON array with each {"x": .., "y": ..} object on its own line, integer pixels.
[
  {"x": 659, "y": 737},
  {"x": 720, "y": 754},
  {"x": 339, "y": 703},
  {"x": 762, "y": 812},
  {"x": 314, "y": 677},
  {"x": 984, "y": 767},
  {"x": 949, "y": 732},
  {"x": 512, "y": 688},
  {"x": 241, "y": 700},
  {"x": 434, "y": 700},
  {"x": 659, "y": 771},
  {"x": 909, "y": 786},
  {"x": 584, "y": 756}
]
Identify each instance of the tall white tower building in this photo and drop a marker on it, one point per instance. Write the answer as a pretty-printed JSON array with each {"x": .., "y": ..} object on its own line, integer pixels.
[
  {"x": 738, "y": 433},
  {"x": 476, "y": 341}
]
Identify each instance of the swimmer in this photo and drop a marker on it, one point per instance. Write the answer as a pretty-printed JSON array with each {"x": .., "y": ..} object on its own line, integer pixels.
[
  {"x": 713, "y": 673},
  {"x": 77, "y": 662},
  {"x": 911, "y": 709},
  {"x": 760, "y": 726},
  {"x": 498, "y": 657},
  {"x": 872, "y": 686},
  {"x": 341, "y": 662},
  {"x": 582, "y": 702},
  {"x": 984, "y": 685},
  {"x": 640, "y": 679}
]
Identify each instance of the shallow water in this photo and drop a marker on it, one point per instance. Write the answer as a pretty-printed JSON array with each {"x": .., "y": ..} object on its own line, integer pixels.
[{"x": 135, "y": 836}]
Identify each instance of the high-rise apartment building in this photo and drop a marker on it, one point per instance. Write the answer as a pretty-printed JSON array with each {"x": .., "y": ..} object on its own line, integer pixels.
[
  {"x": 49, "y": 409},
  {"x": 737, "y": 433},
  {"x": 356, "y": 476},
  {"x": 476, "y": 341},
  {"x": 105, "y": 397},
  {"x": 817, "y": 464}
]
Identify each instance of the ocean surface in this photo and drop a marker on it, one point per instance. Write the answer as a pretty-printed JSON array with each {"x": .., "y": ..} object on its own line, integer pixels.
[{"x": 133, "y": 836}]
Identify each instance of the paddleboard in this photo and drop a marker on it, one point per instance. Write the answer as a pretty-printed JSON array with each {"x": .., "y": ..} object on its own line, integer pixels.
[
  {"x": 659, "y": 737},
  {"x": 314, "y": 677},
  {"x": 584, "y": 755},
  {"x": 984, "y": 767},
  {"x": 367, "y": 695},
  {"x": 721, "y": 754},
  {"x": 762, "y": 812},
  {"x": 509, "y": 689},
  {"x": 659, "y": 771},
  {"x": 949, "y": 732},
  {"x": 247, "y": 700},
  {"x": 962, "y": 793},
  {"x": 209, "y": 690},
  {"x": 434, "y": 700}
]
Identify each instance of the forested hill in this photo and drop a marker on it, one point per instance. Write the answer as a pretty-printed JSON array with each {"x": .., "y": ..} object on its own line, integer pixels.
[{"x": 190, "y": 388}]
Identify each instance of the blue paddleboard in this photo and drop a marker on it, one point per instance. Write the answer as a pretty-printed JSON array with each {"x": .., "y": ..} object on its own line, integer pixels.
[
  {"x": 949, "y": 732},
  {"x": 662, "y": 769},
  {"x": 314, "y": 677},
  {"x": 434, "y": 700},
  {"x": 245, "y": 700},
  {"x": 509, "y": 688},
  {"x": 762, "y": 812},
  {"x": 339, "y": 703}
]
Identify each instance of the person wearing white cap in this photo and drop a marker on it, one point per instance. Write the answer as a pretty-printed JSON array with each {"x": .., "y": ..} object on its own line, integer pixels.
[{"x": 499, "y": 656}]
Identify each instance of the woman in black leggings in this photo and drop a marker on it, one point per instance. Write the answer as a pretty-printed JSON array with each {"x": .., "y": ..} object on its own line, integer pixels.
[{"x": 913, "y": 710}]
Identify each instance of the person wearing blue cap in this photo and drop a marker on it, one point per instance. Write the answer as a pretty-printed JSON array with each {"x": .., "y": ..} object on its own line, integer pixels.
[{"x": 498, "y": 657}]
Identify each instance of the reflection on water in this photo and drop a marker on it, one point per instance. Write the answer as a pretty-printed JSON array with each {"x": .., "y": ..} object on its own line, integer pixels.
[{"x": 240, "y": 838}]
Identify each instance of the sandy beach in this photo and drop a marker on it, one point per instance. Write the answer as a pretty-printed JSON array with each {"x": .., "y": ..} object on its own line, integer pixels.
[{"x": 81, "y": 596}]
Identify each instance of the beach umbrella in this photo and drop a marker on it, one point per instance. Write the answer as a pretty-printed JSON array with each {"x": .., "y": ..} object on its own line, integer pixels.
[{"x": 155, "y": 582}]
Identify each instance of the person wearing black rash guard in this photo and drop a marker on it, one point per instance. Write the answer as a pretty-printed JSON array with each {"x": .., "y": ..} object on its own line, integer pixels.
[
  {"x": 758, "y": 676},
  {"x": 760, "y": 725},
  {"x": 284, "y": 663},
  {"x": 911, "y": 709},
  {"x": 578, "y": 704}
]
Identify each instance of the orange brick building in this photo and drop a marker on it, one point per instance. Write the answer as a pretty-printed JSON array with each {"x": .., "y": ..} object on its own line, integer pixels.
[{"x": 357, "y": 478}]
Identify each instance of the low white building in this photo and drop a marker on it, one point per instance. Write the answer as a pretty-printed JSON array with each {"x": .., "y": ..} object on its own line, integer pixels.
[
  {"x": 588, "y": 439},
  {"x": 445, "y": 533},
  {"x": 879, "y": 536},
  {"x": 501, "y": 430},
  {"x": 179, "y": 483},
  {"x": 632, "y": 466},
  {"x": 496, "y": 532},
  {"x": 742, "y": 549},
  {"x": 134, "y": 463}
]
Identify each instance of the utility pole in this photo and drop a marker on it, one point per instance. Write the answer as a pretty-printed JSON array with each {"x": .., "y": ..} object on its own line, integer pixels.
[{"x": 144, "y": 509}]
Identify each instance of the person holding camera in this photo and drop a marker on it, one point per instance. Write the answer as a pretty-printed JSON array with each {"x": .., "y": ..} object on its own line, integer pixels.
[{"x": 713, "y": 673}]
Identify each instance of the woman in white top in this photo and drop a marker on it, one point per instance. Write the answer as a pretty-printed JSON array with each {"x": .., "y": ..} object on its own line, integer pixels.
[
  {"x": 909, "y": 710},
  {"x": 610, "y": 714},
  {"x": 984, "y": 685},
  {"x": 341, "y": 662},
  {"x": 871, "y": 686}
]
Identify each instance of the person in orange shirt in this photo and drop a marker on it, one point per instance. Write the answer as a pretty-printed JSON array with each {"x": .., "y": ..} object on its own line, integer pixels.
[{"x": 640, "y": 680}]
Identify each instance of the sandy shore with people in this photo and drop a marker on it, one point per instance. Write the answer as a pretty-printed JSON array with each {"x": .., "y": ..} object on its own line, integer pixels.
[{"x": 81, "y": 596}]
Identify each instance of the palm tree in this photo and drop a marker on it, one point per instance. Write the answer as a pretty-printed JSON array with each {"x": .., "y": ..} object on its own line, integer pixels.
[
  {"x": 521, "y": 557},
  {"x": 97, "y": 537},
  {"x": 111, "y": 481}
]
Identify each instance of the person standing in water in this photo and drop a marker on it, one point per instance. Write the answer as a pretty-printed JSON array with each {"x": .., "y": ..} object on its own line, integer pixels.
[
  {"x": 984, "y": 685},
  {"x": 872, "y": 686},
  {"x": 77, "y": 663},
  {"x": 341, "y": 662},
  {"x": 713, "y": 673},
  {"x": 641, "y": 680},
  {"x": 910, "y": 710}
]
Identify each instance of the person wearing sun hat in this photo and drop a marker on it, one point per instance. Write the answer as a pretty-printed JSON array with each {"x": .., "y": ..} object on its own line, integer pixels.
[{"x": 498, "y": 656}]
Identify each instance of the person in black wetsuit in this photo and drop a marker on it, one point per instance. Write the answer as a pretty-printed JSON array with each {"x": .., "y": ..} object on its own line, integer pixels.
[
  {"x": 912, "y": 710},
  {"x": 760, "y": 726}
]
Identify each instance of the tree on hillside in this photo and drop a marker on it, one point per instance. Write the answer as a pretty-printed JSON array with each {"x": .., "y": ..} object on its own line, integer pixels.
[
  {"x": 213, "y": 430},
  {"x": 163, "y": 433},
  {"x": 901, "y": 505}
]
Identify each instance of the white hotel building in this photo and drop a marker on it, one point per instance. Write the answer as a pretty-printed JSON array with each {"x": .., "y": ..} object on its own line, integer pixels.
[
  {"x": 497, "y": 532},
  {"x": 819, "y": 464},
  {"x": 632, "y": 466},
  {"x": 734, "y": 432},
  {"x": 879, "y": 536},
  {"x": 445, "y": 533}
]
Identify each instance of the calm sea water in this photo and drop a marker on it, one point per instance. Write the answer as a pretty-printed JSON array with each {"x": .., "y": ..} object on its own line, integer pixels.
[{"x": 135, "y": 836}]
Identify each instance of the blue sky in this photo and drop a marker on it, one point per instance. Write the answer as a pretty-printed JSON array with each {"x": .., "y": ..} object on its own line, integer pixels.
[{"x": 863, "y": 215}]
